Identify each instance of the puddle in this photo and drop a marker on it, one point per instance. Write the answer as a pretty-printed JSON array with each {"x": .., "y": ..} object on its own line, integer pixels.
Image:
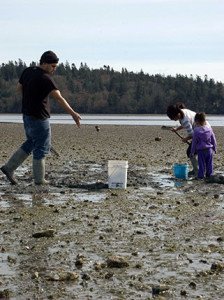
[
  {"x": 163, "y": 182},
  {"x": 47, "y": 198},
  {"x": 90, "y": 166},
  {"x": 93, "y": 197},
  {"x": 27, "y": 194},
  {"x": 15, "y": 200},
  {"x": 58, "y": 198},
  {"x": 95, "y": 168},
  {"x": 167, "y": 181},
  {"x": 30, "y": 195},
  {"x": 5, "y": 269}
]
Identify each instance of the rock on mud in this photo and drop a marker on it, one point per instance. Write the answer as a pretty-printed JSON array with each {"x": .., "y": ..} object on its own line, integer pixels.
[
  {"x": 46, "y": 233},
  {"x": 61, "y": 275},
  {"x": 117, "y": 262}
]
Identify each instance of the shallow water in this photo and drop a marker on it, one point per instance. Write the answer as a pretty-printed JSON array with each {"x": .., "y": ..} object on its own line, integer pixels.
[
  {"x": 5, "y": 269},
  {"x": 30, "y": 195},
  {"x": 118, "y": 119}
]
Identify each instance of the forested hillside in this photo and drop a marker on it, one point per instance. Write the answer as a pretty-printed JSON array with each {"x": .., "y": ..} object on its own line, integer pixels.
[{"x": 107, "y": 91}]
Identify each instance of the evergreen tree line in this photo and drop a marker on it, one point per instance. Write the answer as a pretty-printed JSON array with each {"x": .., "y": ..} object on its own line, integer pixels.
[{"x": 107, "y": 91}]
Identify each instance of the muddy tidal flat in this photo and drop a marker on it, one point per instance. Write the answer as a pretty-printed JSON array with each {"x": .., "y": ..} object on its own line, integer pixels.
[{"x": 161, "y": 238}]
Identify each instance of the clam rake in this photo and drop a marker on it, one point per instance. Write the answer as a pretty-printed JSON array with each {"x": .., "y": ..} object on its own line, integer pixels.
[{"x": 170, "y": 128}]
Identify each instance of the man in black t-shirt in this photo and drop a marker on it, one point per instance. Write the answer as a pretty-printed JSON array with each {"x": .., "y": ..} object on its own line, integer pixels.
[{"x": 36, "y": 85}]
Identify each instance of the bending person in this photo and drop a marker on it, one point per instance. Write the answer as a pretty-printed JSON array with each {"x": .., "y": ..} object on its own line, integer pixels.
[{"x": 179, "y": 112}]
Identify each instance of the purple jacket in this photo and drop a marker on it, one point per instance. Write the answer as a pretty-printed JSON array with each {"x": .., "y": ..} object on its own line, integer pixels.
[{"x": 203, "y": 138}]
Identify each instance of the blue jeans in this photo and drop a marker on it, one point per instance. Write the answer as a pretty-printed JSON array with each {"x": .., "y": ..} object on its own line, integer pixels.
[{"x": 38, "y": 134}]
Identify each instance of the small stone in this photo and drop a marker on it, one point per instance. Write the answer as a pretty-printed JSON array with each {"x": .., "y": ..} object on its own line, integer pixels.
[
  {"x": 220, "y": 239},
  {"x": 85, "y": 276},
  {"x": 117, "y": 262},
  {"x": 35, "y": 275},
  {"x": 11, "y": 259},
  {"x": 109, "y": 275},
  {"x": 192, "y": 285},
  {"x": 79, "y": 261},
  {"x": 62, "y": 276},
  {"x": 158, "y": 290},
  {"x": 217, "y": 267},
  {"x": 138, "y": 266},
  {"x": 46, "y": 233},
  {"x": 99, "y": 266},
  {"x": 183, "y": 293},
  {"x": 5, "y": 294}
]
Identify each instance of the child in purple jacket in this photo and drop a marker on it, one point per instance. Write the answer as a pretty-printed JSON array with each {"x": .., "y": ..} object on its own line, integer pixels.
[{"x": 203, "y": 143}]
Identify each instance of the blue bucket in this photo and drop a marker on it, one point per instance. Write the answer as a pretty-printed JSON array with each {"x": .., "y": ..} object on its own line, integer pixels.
[{"x": 181, "y": 171}]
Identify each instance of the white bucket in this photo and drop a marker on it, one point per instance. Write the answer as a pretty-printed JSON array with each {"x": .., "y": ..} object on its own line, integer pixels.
[{"x": 117, "y": 174}]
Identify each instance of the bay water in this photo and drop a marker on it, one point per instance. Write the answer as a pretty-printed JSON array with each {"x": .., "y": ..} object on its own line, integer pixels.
[{"x": 106, "y": 119}]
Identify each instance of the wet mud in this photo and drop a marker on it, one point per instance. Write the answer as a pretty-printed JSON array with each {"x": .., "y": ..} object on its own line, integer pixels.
[{"x": 161, "y": 238}]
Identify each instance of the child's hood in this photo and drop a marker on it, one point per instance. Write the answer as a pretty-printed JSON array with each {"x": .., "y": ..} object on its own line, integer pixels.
[{"x": 204, "y": 132}]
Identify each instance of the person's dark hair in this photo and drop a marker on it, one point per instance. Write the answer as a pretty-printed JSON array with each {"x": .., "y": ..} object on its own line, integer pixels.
[
  {"x": 174, "y": 110},
  {"x": 49, "y": 57},
  {"x": 200, "y": 117},
  {"x": 181, "y": 105}
]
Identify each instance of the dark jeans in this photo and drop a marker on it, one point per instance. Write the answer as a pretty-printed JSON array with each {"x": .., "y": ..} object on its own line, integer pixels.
[
  {"x": 38, "y": 134},
  {"x": 189, "y": 150}
]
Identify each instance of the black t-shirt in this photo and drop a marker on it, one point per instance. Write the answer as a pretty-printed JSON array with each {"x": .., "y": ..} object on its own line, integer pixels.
[{"x": 36, "y": 86}]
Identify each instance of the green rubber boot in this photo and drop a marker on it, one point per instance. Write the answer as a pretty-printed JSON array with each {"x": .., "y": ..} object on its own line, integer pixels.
[
  {"x": 13, "y": 163},
  {"x": 39, "y": 171},
  {"x": 194, "y": 163}
]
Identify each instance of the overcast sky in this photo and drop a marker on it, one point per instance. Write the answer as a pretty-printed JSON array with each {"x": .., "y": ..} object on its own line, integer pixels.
[{"x": 168, "y": 37}]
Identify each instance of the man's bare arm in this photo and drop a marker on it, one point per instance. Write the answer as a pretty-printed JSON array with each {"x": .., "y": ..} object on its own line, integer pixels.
[{"x": 64, "y": 104}]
